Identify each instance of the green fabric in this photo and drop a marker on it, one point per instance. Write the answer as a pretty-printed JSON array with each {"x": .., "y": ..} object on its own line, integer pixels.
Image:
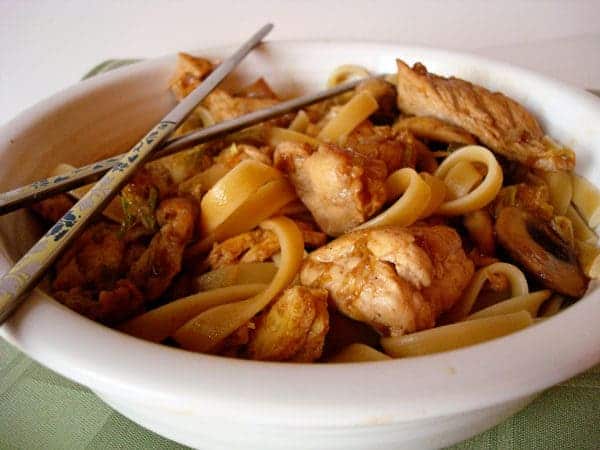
[
  {"x": 109, "y": 64},
  {"x": 41, "y": 410}
]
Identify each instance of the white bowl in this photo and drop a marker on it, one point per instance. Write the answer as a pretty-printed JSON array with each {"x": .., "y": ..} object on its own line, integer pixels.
[{"x": 213, "y": 402}]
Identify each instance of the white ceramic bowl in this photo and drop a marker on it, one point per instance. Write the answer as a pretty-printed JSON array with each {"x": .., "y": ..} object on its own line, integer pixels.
[{"x": 213, "y": 402}]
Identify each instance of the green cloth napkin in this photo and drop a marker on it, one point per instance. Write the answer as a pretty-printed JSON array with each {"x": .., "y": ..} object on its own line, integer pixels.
[{"x": 42, "y": 410}]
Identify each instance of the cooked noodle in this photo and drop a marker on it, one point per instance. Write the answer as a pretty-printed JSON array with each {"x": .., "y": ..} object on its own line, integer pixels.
[{"x": 229, "y": 248}]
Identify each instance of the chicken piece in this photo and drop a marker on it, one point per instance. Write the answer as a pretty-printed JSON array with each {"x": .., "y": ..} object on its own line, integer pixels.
[
  {"x": 257, "y": 246},
  {"x": 341, "y": 188},
  {"x": 481, "y": 259},
  {"x": 154, "y": 270},
  {"x": 141, "y": 195},
  {"x": 430, "y": 128},
  {"x": 315, "y": 338},
  {"x": 396, "y": 150},
  {"x": 398, "y": 280},
  {"x": 224, "y": 106},
  {"x": 89, "y": 276},
  {"x": 313, "y": 238},
  {"x": 293, "y": 328},
  {"x": 496, "y": 120},
  {"x": 452, "y": 270},
  {"x": 95, "y": 260},
  {"x": 259, "y": 89},
  {"x": 53, "y": 208},
  {"x": 190, "y": 71},
  {"x": 113, "y": 306},
  {"x": 232, "y": 250}
]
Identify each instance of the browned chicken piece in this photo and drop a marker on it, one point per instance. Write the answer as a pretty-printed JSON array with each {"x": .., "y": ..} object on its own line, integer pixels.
[
  {"x": 398, "y": 280},
  {"x": 111, "y": 307},
  {"x": 259, "y": 89},
  {"x": 53, "y": 208},
  {"x": 434, "y": 129},
  {"x": 257, "y": 246},
  {"x": 142, "y": 194},
  {"x": 315, "y": 338},
  {"x": 94, "y": 260},
  {"x": 190, "y": 71},
  {"x": 154, "y": 270},
  {"x": 395, "y": 149},
  {"x": 89, "y": 276},
  {"x": 341, "y": 188},
  {"x": 293, "y": 328},
  {"x": 481, "y": 259},
  {"x": 452, "y": 270},
  {"x": 496, "y": 120},
  {"x": 232, "y": 250}
]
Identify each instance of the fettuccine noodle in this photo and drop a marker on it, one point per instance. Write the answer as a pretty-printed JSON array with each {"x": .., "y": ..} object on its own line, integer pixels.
[
  {"x": 160, "y": 323},
  {"x": 361, "y": 106},
  {"x": 482, "y": 194},
  {"x": 345, "y": 73},
  {"x": 358, "y": 353},
  {"x": 243, "y": 273},
  {"x": 528, "y": 302},
  {"x": 278, "y": 135},
  {"x": 300, "y": 122},
  {"x": 206, "y": 331},
  {"x": 449, "y": 337},
  {"x": 262, "y": 204},
  {"x": 586, "y": 198},
  {"x": 461, "y": 179},
  {"x": 415, "y": 197},
  {"x": 516, "y": 279},
  {"x": 231, "y": 191}
]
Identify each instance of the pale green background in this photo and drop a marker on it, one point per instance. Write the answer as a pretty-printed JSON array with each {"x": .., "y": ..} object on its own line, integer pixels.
[{"x": 41, "y": 410}]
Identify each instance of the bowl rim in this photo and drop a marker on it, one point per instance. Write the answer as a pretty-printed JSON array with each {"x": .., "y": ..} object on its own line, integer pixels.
[{"x": 355, "y": 394}]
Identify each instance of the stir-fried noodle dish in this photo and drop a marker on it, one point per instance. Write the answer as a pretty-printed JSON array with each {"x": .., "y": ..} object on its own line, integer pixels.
[{"x": 412, "y": 215}]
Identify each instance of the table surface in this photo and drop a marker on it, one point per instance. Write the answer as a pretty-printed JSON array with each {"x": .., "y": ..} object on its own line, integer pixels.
[{"x": 46, "y": 46}]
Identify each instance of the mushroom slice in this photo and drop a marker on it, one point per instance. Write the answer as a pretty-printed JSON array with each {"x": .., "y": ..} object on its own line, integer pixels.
[{"x": 541, "y": 252}]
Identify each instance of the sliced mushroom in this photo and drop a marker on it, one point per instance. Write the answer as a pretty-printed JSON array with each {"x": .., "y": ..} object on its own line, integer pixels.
[{"x": 540, "y": 251}]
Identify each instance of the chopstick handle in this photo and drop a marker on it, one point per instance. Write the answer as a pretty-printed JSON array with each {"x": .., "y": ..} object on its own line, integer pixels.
[
  {"x": 25, "y": 274},
  {"x": 38, "y": 190}
]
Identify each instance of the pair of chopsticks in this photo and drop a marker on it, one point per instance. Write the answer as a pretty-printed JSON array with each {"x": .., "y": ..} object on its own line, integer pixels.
[
  {"x": 41, "y": 189},
  {"x": 28, "y": 271}
]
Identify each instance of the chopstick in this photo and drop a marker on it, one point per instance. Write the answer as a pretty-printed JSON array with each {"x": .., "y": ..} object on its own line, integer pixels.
[
  {"x": 31, "y": 267},
  {"x": 41, "y": 189}
]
